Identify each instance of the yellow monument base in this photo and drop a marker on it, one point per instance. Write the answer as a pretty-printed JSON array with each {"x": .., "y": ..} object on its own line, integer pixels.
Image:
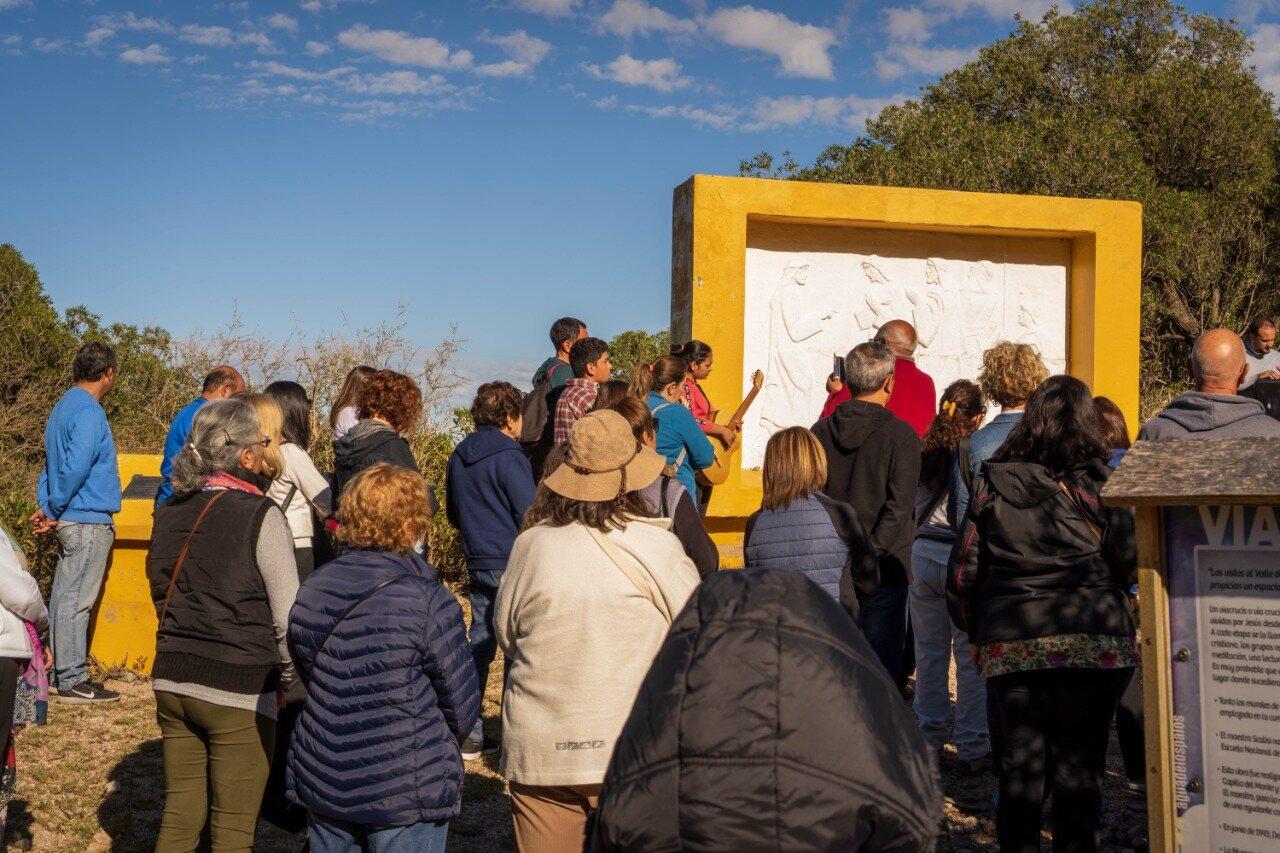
[
  {"x": 718, "y": 221},
  {"x": 123, "y": 633}
]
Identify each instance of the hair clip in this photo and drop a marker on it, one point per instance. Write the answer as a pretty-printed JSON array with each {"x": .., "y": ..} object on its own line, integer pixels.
[{"x": 949, "y": 408}]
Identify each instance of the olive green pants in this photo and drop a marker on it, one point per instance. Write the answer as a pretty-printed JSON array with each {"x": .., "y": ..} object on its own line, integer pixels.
[{"x": 216, "y": 761}]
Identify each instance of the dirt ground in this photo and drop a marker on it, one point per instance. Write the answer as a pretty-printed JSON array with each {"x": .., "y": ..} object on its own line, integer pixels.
[{"x": 92, "y": 780}]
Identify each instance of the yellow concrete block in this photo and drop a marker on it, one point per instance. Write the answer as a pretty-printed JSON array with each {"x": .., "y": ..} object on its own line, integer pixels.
[
  {"x": 710, "y": 219},
  {"x": 123, "y": 632}
]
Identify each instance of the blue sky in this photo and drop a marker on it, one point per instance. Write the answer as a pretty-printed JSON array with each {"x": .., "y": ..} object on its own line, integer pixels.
[{"x": 489, "y": 163}]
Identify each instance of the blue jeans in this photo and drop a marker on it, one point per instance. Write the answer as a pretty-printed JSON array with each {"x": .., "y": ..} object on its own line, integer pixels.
[
  {"x": 884, "y": 624},
  {"x": 83, "y": 550},
  {"x": 483, "y": 591},
  {"x": 340, "y": 837}
]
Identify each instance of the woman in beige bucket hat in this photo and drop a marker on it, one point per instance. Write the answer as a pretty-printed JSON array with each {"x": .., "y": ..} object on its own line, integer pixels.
[{"x": 589, "y": 592}]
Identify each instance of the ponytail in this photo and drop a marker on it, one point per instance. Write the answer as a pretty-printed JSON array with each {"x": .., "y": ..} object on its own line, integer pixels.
[{"x": 657, "y": 375}]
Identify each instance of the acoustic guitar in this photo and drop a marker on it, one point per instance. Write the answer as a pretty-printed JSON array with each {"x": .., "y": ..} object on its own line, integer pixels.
[{"x": 718, "y": 471}]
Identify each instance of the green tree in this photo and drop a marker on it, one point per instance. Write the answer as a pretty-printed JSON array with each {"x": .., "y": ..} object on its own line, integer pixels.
[
  {"x": 1130, "y": 99},
  {"x": 628, "y": 350}
]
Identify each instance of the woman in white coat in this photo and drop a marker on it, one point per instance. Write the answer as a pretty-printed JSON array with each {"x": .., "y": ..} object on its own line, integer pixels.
[{"x": 589, "y": 592}]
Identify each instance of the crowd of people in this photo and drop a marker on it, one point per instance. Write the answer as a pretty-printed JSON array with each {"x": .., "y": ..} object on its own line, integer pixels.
[{"x": 312, "y": 669}]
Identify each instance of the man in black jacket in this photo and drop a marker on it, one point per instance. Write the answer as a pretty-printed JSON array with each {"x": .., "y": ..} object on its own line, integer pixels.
[{"x": 873, "y": 464}]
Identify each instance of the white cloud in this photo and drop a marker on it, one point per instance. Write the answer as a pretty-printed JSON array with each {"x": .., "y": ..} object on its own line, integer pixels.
[
  {"x": 398, "y": 83},
  {"x": 152, "y": 54},
  {"x": 261, "y": 41},
  {"x": 317, "y": 48},
  {"x": 279, "y": 69},
  {"x": 98, "y": 35},
  {"x": 281, "y": 21},
  {"x": 804, "y": 49},
  {"x": 195, "y": 59},
  {"x": 850, "y": 113},
  {"x": 550, "y": 8},
  {"x": 1266, "y": 56},
  {"x": 720, "y": 117},
  {"x": 628, "y": 17},
  {"x": 131, "y": 22},
  {"x": 11, "y": 41},
  {"x": 660, "y": 74},
  {"x": 402, "y": 48},
  {"x": 10, "y": 4},
  {"x": 609, "y": 103},
  {"x": 911, "y": 24},
  {"x": 45, "y": 45},
  {"x": 253, "y": 86},
  {"x": 1001, "y": 9},
  {"x": 206, "y": 36},
  {"x": 315, "y": 7},
  {"x": 526, "y": 53},
  {"x": 902, "y": 59}
]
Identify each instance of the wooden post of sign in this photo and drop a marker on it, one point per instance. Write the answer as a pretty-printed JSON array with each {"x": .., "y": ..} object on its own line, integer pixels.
[{"x": 1208, "y": 528}]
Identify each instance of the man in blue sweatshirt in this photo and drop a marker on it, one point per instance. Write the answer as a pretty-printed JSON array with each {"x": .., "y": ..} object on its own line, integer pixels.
[
  {"x": 79, "y": 492},
  {"x": 488, "y": 487},
  {"x": 222, "y": 382}
]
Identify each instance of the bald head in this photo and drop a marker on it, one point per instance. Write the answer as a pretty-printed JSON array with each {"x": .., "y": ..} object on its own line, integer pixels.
[
  {"x": 899, "y": 336},
  {"x": 223, "y": 381},
  {"x": 1217, "y": 362}
]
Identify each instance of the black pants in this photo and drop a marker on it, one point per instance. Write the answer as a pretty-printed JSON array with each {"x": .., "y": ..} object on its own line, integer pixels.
[
  {"x": 306, "y": 560},
  {"x": 1133, "y": 747},
  {"x": 1062, "y": 717},
  {"x": 10, "y": 670}
]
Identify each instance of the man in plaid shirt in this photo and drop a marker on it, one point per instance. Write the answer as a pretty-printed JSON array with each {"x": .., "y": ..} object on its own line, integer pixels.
[{"x": 589, "y": 359}]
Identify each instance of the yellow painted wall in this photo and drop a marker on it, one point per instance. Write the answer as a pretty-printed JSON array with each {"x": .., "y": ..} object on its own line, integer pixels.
[
  {"x": 708, "y": 271},
  {"x": 124, "y": 623}
]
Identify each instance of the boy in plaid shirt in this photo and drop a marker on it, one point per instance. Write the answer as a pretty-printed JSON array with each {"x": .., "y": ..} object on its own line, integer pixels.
[{"x": 589, "y": 359}]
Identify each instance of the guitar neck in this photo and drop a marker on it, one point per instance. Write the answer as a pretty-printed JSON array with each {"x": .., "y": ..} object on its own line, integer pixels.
[{"x": 746, "y": 404}]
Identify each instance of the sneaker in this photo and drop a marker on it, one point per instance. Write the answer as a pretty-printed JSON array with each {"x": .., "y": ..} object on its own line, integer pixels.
[
  {"x": 86, "y": 693},
  {"x": 472, "y": 748},
  {"x": 1137, "y": 786}
]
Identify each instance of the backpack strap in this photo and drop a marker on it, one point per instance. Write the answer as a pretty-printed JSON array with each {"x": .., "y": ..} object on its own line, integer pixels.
[
  {"x": 622, "y": 560},
  {"x": 664, "y": 482},
  {"x": 182, "y": 555},
  {"x": 361, "y": 600},
  {"x": 966, "y": 472},
  {"x": 1084, "y": 514}
]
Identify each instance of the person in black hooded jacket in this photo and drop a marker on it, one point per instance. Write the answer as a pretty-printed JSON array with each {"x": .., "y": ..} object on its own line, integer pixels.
[
  {"x": 1038, "y": 580},
  {"x": 766, "y": 723},
  {"x": 873, "y": 464},
  {"x": 389, "y": 406}
]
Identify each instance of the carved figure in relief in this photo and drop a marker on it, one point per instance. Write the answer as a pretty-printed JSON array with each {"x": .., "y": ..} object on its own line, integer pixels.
[
  {"x": 878, "y": 298},
  {"x": 789, "y": 378},
  {"x": 928, "y": 308}
]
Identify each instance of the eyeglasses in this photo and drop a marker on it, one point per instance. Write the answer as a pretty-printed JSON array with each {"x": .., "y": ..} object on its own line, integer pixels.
[{"x": 265, "y": 442}]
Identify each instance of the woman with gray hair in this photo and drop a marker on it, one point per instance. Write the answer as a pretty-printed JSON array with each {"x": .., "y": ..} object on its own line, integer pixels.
[{"x": 223, "y": 578}]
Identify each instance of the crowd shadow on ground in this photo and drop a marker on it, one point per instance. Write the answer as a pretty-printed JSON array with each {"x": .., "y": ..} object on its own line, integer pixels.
[{"x": 131, "y": 810}]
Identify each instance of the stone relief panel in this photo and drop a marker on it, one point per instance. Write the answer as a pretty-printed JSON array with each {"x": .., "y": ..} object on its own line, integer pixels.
[{"x": 814, "y": 292}]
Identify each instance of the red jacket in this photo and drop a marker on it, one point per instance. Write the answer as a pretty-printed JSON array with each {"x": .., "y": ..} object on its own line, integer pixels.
[{"x": 913, "y": 399}]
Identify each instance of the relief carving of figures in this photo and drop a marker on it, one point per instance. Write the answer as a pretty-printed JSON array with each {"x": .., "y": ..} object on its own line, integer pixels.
[{"x": 790, "y": 378}]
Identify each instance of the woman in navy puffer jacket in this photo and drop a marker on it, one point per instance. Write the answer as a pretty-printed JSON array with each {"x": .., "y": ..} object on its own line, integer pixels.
[{"x": 391, "y": 688}]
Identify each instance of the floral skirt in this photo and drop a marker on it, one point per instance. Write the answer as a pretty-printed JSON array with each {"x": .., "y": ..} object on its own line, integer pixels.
[{"x": 1074, "y": 651}]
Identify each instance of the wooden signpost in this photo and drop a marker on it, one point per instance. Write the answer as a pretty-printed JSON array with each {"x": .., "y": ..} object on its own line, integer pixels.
[{"x": 1208, "y": 515}]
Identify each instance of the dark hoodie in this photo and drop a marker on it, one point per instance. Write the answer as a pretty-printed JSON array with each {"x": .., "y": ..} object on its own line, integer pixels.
[
  {"x": 766, "y": 722},
  {"x": 873, "y": 464},
  {"x": 488, "y": 488},
  {"x": 1034, "y": 561},
  {"x": 365, "y": 444},
  {"x": 1200, "y": 415}
]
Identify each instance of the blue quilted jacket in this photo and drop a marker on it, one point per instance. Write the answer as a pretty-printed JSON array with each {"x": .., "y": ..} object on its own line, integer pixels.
[
  {"x": 388, "y": 699},
  {"x": 798, "y": 538}
]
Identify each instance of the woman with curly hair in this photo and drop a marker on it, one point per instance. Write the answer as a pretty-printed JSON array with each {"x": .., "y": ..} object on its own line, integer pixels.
[
  {"x": 1038, "y": 580},
  {"x": 936, "y": 640},
  {"x": 389, "y": 408}
]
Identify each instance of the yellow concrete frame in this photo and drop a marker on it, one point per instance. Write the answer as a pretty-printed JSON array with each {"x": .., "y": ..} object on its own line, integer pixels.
[{"x": 708, "y": 273}]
